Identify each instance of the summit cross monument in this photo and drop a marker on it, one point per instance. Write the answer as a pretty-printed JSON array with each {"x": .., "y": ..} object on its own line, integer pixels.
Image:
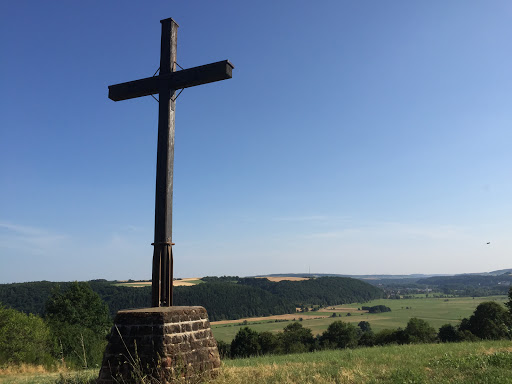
[
  {"x": 165, "y": 84},
  {"x": 169, "y": 341}
]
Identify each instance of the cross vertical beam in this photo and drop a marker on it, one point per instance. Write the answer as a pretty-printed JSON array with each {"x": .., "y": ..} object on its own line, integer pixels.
[{"x": 162, "y": 253}]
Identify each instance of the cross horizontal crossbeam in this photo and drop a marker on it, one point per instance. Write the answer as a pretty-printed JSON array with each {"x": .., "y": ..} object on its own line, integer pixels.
[{"x": 185, "y": 78}]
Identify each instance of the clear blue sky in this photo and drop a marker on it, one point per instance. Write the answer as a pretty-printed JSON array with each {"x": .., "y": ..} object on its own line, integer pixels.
[{"x": 356, "y": 137}]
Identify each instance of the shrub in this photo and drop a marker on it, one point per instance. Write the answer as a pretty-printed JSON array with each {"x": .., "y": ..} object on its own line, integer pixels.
[
  {"x": 364, "y": 326},
  {"x": 448, "y": 334},
  {"x": 419, "y": 331},
  {"x": 295, "y": 338},
  {"x": 23, "y": 338},
  {"x": 269, "y": 343},
  {"x": 224, "y": 349},
  {"x": 245, "y": 343},
  {"x": 367, "y": 339},
  {"x": 391, "y": 336},
  {"x": 340, "y": 335},
  {"x": 79, "y": 321}
]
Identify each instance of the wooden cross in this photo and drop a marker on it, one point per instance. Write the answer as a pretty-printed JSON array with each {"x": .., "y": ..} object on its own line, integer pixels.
[{"x": 166, "y": 84}]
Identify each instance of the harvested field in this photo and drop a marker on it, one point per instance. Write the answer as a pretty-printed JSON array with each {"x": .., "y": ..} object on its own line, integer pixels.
[
  {"x": 277, "y": 279},
  {"x": 176, "y": 283},
  {"x": 187, "y": 282}
]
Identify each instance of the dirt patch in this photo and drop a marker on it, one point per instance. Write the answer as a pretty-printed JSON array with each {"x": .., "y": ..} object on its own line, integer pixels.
[
  {"x": 288, "y": 316},
  {"x": 493, "y": 350},
  {"x": 23, "y": 368},
  {"x": 136, "y": 284}
]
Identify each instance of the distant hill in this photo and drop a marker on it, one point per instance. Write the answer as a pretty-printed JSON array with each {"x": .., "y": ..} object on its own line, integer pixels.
[
  {"x": 360, "y": 277},
  {"x": 501, "y": 272},
  {"x": 414, "y": 276},
  {"x": 469, "y": 284},
  {"x": 468, "y": 280}
]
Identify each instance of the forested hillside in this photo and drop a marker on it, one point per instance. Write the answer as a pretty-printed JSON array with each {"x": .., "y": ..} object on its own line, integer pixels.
[
  {"x": 223, "y": 298},
  {"x": 232, "y": 301},
  {"x": 320, "y": 291}
]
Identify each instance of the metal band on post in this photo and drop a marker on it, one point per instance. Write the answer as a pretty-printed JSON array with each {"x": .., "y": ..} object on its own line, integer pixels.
[{"x": 162, "y": 282}]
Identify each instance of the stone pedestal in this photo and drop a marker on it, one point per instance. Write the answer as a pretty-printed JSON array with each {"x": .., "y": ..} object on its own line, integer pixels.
[{"x": 161, "y": 343}]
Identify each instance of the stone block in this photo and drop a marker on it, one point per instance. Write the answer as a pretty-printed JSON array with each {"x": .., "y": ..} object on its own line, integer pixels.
[{"x": 154, "y": 338}]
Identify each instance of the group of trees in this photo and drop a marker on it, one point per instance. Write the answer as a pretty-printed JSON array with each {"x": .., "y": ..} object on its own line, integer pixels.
[
  {"x": 489, "y": 321},
  {"x": 376, "y": 309},
  {"x": 73, "y": 330}
]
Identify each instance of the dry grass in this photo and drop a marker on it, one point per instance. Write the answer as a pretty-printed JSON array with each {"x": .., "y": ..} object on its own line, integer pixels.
[
  {"x": 37, "y": 374},
  {"x": 22, "y": 369}
]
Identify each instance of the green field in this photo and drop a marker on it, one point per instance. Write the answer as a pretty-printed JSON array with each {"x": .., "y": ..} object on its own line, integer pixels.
[
  {"x": 437, "y": 311},
  {"x": 471, "y": 363}
]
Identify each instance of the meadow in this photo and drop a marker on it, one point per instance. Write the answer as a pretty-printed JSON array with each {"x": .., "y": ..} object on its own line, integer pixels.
[{"x": 436, "y": 311}]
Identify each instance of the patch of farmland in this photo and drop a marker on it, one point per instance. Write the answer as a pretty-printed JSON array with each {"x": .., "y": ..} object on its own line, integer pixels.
[{"x": 277, "y": 279}]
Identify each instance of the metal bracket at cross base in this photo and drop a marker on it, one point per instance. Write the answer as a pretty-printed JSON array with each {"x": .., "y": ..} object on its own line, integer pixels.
[{"x": 161, "y": 286}]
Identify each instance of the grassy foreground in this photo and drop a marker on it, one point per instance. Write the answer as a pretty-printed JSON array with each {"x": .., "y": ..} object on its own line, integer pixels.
[
  {"x": 472, "y": 363},
  {"x": 483, "y": 362}
]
